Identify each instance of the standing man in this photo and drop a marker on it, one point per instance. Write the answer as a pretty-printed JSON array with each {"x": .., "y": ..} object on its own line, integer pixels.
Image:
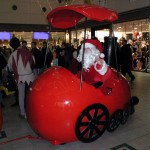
[
  {"x": 21, "y": 62},
  {"x": 126, "y": 59},
  {"x": 14, "y": 43},
  {"x": 38, "y": 58},
  {"x": 46, "y": 56},
  {"x": 3, "y": 64}
]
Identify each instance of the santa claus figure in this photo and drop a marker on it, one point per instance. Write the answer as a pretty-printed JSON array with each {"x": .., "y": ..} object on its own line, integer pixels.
[{"x": 94, "y": 66}]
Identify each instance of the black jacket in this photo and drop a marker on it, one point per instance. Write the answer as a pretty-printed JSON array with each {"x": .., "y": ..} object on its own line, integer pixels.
[{"x": 3, "y": 61}]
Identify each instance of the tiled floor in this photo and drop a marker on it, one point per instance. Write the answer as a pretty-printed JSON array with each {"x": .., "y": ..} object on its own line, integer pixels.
[{"x": 134, "y": 135}]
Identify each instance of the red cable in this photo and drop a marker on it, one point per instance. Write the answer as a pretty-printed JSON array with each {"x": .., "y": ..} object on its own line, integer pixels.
[{"x": 20, "y": 138}]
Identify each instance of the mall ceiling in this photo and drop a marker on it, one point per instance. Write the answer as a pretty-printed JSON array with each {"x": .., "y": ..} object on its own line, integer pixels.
[
  {"x": 55, "y": 3},
  {"x": 141, "y": 25}
]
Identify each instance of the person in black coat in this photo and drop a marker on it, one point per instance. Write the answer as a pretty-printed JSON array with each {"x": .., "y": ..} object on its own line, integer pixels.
[
  {"x": 47, "y": 56},
  {"x": 61, "y": 59},
  {"x": 14, "y": 43},
  {"x": 38, "y": 58},
  {"x": 3, "y": 64},
  {"x": 126, "y": 59}
]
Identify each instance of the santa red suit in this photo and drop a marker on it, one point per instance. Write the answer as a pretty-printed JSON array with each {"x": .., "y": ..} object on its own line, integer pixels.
[{"x": 95, "y": 68}]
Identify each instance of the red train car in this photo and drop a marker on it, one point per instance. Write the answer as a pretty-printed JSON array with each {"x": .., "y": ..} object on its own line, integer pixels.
[{"x": 59, "y": 110}]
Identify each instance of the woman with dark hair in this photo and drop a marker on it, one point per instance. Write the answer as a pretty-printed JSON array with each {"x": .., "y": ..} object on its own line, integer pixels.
[{"x": 14, "y": 43}]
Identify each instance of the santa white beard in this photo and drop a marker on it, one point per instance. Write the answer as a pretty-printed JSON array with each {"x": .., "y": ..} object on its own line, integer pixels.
[{"x": 90, "y": 57}]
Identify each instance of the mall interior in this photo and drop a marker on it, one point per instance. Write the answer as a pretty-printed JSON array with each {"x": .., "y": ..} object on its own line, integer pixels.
[{"x": 27, "y": 20}]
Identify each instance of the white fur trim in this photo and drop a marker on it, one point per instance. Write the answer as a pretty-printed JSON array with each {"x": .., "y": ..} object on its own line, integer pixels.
[
  {"x": 103, "y": 70},
  {"x": 89, "y": 45},
  {"x": 102, "y": 55}
]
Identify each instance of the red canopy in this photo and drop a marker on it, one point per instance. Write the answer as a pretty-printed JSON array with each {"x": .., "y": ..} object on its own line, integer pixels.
[{"x": 68, "y": 16}]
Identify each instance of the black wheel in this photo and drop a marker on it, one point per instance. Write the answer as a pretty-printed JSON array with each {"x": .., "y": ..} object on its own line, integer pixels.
[
  {"x": 126, "y": 114},
  {"x": 114, "y": 121},
  {"x": 92, "y": 123}
]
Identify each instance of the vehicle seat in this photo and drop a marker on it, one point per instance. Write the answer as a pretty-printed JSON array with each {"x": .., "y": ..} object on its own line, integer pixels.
[{"x": 97, "y": 84}]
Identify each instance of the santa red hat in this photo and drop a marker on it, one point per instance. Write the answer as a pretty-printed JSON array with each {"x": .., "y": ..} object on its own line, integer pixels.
[{"x": 93, "y": 43}]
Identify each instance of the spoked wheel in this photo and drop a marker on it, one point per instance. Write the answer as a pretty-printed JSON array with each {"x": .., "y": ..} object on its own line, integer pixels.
[
  {"x": 126, "y": 114},
  {"x": 115, "y": 121},
  {"x": 92, "y": 123}
]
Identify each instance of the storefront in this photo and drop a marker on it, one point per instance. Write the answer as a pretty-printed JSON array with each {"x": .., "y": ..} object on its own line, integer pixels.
[
  {"x": 55, "y": 38},
  {"x": 138, "y": 29},
  {"x": 137, "y": 34},
  {"x": 78, "y": 36}
]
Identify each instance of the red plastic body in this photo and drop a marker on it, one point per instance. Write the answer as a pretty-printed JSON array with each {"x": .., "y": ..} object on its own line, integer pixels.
[{"x": 55, "y": 101}]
